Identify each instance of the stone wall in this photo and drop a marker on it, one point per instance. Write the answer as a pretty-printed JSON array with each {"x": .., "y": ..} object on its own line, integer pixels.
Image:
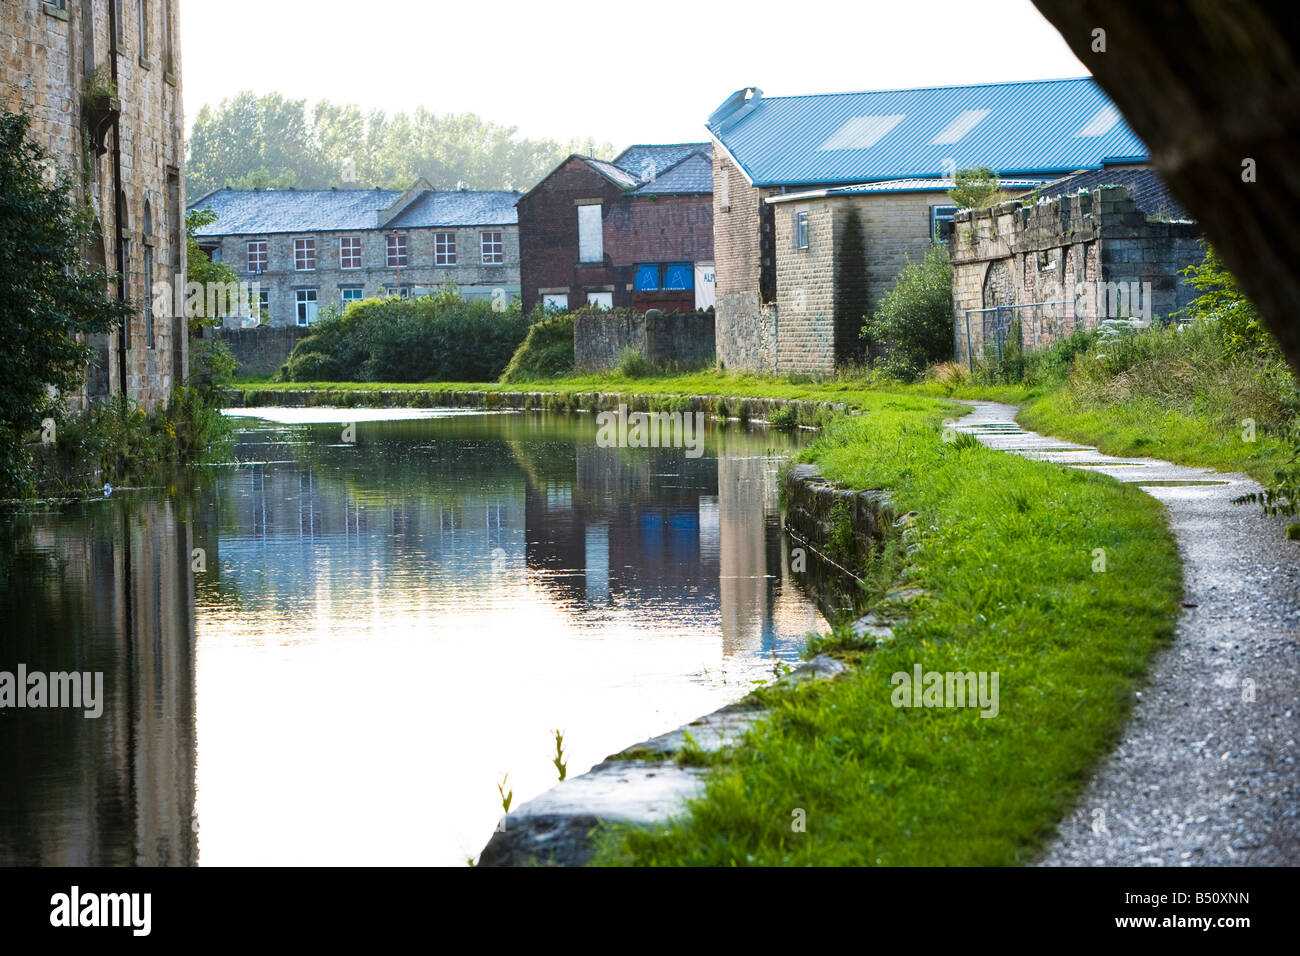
[
  {"x": 1076, "y": 260},
  {"x": 281, "y": 281},
  {"x": 684, "y": 339},
  {"x": 746, "y": 325},
  {"x": 261, "y": 351},
  {"x": 127, "y": 166}
]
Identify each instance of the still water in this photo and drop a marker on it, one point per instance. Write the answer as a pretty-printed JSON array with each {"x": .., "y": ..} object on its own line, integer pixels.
[{"x": 334, "y": 651}]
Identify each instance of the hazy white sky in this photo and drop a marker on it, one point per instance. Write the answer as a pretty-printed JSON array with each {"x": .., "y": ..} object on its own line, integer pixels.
[{"x": 618, "y": 70}]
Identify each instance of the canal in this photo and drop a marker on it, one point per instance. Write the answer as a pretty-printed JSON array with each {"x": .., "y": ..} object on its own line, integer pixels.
[{"x": 335, "y": 649}]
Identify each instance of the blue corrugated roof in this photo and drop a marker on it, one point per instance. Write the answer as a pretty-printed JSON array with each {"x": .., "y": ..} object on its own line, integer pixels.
[
  {"x": 460, "y": 207},
  {"x": 694, "y": 174},
  {"x": 1043, "y": 126},
  {"x": 242, "y": 212}
]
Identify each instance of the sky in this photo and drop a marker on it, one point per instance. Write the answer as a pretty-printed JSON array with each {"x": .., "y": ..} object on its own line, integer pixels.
[{"x": 630, "y": 72}]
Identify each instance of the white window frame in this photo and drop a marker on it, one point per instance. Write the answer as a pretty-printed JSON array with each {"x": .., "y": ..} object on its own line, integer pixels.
[
  {"x": 555, "y": 302},
  {"x": 938, "y": 215},
  {"x": 492, "y": 247},
  {"x": 444, "y": 248},
  {"x": 304, "y": 251},
  {"x": 801, "y": 230},
  {"x": 309, "y": 299},
  {"x": 353, "y": 254},
  {"x": 250, "y": 256},
  {"x": 395, "y": 249},
  {"x": 601, "y": 300},
  {"x": 345, "y": 300}
]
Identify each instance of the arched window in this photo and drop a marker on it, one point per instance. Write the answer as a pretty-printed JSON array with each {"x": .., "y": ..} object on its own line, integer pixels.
[{"x": 142, "y": 18}]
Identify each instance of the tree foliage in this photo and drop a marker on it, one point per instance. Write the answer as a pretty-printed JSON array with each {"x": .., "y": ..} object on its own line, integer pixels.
[
  {"x": 912, "y": 326},
  {"x": 975, "y": 188},
  {"x": 49, "y": 293},
  {"x": 270, "y": 141},
  {"x": 1222, "y": 302}
]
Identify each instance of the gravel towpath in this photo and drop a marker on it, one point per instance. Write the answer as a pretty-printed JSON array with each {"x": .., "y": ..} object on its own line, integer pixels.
[{"x": 1206, "y": 772}]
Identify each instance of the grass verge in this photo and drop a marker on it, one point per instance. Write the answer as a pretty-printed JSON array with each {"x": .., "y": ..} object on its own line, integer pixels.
[{"x": 1006, "y": 559}]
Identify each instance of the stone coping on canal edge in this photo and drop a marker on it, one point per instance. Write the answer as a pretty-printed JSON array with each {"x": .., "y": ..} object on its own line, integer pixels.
[
  {"x": 743, "y": 409},
  {"x": 650, "y": 782}
]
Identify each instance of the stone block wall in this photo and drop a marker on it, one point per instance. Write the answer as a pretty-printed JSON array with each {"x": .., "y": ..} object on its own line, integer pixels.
[
  {"x": 746, "y": 325},
  {"x": 281, "y": 281},
  {"x": 681, "y": 339},
  {"x": 261, "y": 351},
  {"x": 1069, "y": 262},
  {"x": 48, "y": 56}
]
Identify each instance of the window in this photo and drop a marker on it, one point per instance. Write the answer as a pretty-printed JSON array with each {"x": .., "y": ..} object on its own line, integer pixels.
[
  {"x": 601, "y": 300},
  {"x": 147, "y": 239},
  {"x": 351, "y": 293},
  {"x": 679, "y": 276},
  {"x": 801, "y": 230},
  {"x": 555, "y": 303},
  {"x": 493, "y": 249},
  {"x": 119, "y": 31},
  {"x": 350, "y": 252},
  {"x": 169, "y": 58},
  {"x": 304, "y": 254},
  {"x": 257, "y": 255},
  {"x": 403, "y": 291},
  {"x": 444, "y": 248},
  {"x": 941, "y": 222},
  {"x": 591, "y": 245},
  {"x": 264, "y": 304},
  {"x": 647, "y": 277},
  {"x": 305, "y": 305},
  {"x": 397, "y": 250},
  {"x": 142, "y": 21}
]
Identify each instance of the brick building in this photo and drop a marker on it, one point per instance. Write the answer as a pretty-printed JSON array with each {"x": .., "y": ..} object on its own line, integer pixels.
[
  {"x": 307, "y": 248},
  {"x": 1100, "y": 244},
  {"x": 820, "y": 200},
  {"x": 101, "y": 81},
  {"x": 635, "y": 232}
]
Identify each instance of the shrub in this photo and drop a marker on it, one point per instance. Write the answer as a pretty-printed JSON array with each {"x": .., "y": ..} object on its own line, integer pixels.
[
  {"x": 912, "y": 327},
  {"x": 1222, "y": 302},
  {"x": 546, "y": 352},
  {"x": 632, "y": 364},
  {"x": 434, "y": 338}
]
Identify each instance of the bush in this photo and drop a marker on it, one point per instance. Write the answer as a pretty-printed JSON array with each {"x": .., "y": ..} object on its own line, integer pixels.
[
  {"x": 632, "y": 364},
  {"x": 912, "y": 328},
  {"x": 434, "y": 338},
  {"x": 546, "y": 352}
]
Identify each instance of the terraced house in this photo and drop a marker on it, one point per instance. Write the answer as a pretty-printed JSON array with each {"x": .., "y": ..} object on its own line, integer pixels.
[
  {"x": 100, "y": 80},
  {"x": 307, "y": 248},
  {"x": 820, "y": 200}
]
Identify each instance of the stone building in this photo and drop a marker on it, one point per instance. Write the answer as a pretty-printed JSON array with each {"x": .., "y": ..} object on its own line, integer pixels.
[
  {"x": 302, "y": 249},
  {"x": 101, "y": 81},
  {"x": 635, "y": 232},
  {"x": 808, "y": 187},
  {"x": 1102, "y": 244}
]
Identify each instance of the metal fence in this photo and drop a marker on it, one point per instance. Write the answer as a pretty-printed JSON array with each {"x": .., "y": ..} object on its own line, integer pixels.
[{"x": 1041, "y": 323}]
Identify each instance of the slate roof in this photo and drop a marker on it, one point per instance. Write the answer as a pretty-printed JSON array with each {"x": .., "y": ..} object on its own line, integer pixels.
[
  {"x": 1040, "y": 127},
  {"x": 615, "y": 174},
  {"x": 1144, "y": 186},
  {"x": 459, "y": 207},
  {"x": 644, "y": 158},
  {"x": 694, "y": 174},
  {"x": 242, "y": 212}
]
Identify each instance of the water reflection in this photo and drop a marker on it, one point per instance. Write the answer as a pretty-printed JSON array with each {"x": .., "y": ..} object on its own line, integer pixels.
[
  {"x": 385, "y": 628},
  {"x": 104, "y": 587}
]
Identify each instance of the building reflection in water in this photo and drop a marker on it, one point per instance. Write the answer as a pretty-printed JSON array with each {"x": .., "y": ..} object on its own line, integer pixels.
[{"x": 104, "y": 586}]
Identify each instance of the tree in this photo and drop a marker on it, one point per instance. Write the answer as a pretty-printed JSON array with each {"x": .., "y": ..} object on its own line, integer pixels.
[
  {"x": 912, "y": 327},
  {"x": 49, "y": 294},
  {"x": 1239, "y": 323},
  {"x": 975, "y": 188},
  {"x": 269, "y": 141},
  {"x": 211, "y": 361}
]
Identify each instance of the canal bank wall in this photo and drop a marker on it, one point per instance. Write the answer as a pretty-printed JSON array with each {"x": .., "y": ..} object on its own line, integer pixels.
[{"x": 801, "y": 411}]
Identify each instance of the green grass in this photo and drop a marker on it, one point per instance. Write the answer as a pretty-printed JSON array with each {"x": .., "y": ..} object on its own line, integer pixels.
[
  {"x": 1006, "y": 560},
  {"x": 1152, "y": 429}
]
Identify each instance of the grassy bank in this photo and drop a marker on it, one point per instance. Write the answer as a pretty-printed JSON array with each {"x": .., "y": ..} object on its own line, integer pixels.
[{"x": 1005, "y": 556}]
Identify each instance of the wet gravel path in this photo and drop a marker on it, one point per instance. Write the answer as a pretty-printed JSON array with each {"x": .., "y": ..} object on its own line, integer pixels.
[{"x": 1206, "y": 771}]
